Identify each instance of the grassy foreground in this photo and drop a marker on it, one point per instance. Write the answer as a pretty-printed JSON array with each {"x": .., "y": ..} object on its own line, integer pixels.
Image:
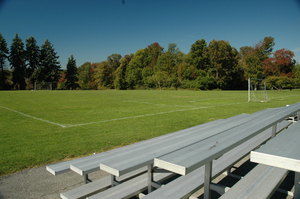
[{"x": 40, "y": 127}]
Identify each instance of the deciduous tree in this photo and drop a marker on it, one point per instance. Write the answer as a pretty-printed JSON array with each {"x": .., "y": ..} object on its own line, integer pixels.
[
  {"x": 252, "y": 59},
  {"x": 103, "y": 75},
  {"x": 120, "y": 80},
  {"x": 85, "y": 76},
  {"x": 223, "y": 63},
  {"x": 114, "y": 61},
  {"x": 199, "y": 55}
]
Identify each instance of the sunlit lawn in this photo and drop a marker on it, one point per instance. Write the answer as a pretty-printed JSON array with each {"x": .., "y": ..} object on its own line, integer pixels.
[{"x": 94, "y": 121}]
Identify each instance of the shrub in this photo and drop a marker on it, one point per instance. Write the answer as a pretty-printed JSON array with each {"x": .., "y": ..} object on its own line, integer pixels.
[{"x": 282, "y": 82}]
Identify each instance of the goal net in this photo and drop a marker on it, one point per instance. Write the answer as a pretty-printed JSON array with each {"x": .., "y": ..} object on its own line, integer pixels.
[
  {"x": 43, "y": 86},
  {"x": 257, "y": 90}
]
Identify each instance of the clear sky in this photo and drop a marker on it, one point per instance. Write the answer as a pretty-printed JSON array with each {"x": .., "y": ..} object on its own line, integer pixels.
[{"x": 91, "y": 30}]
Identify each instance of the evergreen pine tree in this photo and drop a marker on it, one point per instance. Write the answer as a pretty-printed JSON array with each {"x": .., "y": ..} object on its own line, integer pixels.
[
  {"x": 17, "y": 62},
  {"x": 49, "y": 65},
  {"x": 32, "y": 58},
  {"x": 3, "y": 57},
  {"x": 71, "y": 74}
]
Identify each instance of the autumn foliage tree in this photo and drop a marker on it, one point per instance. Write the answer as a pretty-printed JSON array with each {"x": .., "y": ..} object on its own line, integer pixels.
[
  {"x": 252, "y": 58},
  {"x": 281, "y": 64},
  {"x": 207, "y": 65}
]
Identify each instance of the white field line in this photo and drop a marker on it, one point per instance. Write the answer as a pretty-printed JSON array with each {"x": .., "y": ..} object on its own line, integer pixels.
[
  {"x": 116, "y": 119},
  {"x": 143, "y": 102},
  {"x": 207, "y": 99},
  {"x": 136, "y": 116},
  {"x": 281, "y": 97},
  {"x": 33, "y": 117},
  {"x": 150, "y": 114}
]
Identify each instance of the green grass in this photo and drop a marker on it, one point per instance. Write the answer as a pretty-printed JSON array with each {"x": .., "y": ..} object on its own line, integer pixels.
[{"x": 27, "y": 142}]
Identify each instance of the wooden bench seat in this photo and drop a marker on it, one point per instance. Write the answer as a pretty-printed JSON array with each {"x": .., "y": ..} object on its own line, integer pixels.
[
  {"x": 185, "y": 186},
  {"x": 259, "y": 183}
]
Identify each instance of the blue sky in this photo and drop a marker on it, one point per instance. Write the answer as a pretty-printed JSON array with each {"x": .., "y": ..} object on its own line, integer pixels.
[{"x": 91, "y": 30}]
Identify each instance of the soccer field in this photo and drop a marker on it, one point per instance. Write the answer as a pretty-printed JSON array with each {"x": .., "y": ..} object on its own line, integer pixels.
[{"x": 39, "y": 127}]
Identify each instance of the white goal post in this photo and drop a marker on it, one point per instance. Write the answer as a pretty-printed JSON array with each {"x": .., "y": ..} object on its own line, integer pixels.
[
  {"x": 42, "y": 86},
  {"x": 257, "y": 90}
]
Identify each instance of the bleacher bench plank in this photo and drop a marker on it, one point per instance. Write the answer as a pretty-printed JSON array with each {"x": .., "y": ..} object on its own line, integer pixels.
[
  {"x": 189, "y": 158},
  {"x": 259, "y": 183},
  {"x": 130, "y": 188},
  {"x": 283, "y": 151},
  {"x": 87, "y": 189},
  {"x": 126, "y": 161},
  {"x": 87, "y": 164},
  {"x": 88, "y": 161},
  {"x": 96, "y": 186},
  {"x": 184, "y": 186},
  {"x": 149, "y": 146}
]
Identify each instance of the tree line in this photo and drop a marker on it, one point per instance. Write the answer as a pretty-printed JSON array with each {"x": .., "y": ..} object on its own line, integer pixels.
[{"x": 213, "y": 65}]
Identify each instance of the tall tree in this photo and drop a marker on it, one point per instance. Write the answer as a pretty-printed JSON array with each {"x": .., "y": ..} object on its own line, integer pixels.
[
  {"x": 166, "y": 68},
  {"x": 265, "y": 47},
  {"x": 285, "y": 61},
  {"x": 71, "y": 74},
  {"x": 224, "y": 60},
  {"x": 85, "y": 76},
  {"x": 114, "y": 61},
  {"x": 154, "y": 50},
  {"x": 252, "y": 58},
  {"x": 32, "y": 57},
  {"x": 141, "y": 65},
  {"x": 3, "y": 57},
  {"x": 281, "y": 64},
  {"x": 17, "y": 62},
  {"x": 198, "y": 55},
  {"x": 134, "y": 76},
  {"x": 120, "y": 81},
  {"x": 103, "y": 75},
  {"x": 50, "y": 67}
]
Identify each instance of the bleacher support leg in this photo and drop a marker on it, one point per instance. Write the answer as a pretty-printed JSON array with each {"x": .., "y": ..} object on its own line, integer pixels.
[
  {"x": 150, "y": 177},
  {"x": 274, "y": 130},
  {"x": 207, "y": 180},
  {"x": 228, "y": 171},
  {"x": 86, "y": 178},
  {"x": 113, "y": 180},
  {"x": 297, "y": 185}
]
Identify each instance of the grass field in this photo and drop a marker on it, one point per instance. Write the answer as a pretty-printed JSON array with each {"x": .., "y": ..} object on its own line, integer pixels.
[{"x": 39, "y": 127}]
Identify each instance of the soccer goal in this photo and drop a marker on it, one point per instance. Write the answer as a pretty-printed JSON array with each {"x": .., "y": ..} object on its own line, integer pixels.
[
  {"x": 257, "y": 90},
  {"x": 42, "y": 86}
]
